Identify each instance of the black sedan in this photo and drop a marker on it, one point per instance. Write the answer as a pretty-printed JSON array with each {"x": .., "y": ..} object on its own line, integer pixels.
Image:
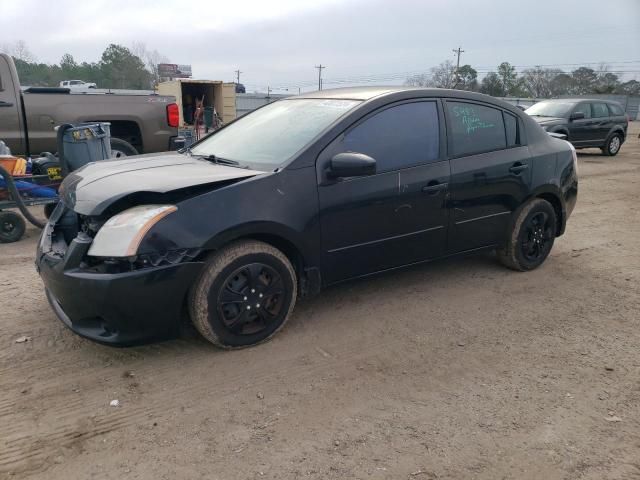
[{"x": 300, "y": 194}]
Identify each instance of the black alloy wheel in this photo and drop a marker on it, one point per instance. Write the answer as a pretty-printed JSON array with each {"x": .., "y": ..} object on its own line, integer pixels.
[
  {"x": 537, "y": 237},
  {"x": 530, "y": 237}
]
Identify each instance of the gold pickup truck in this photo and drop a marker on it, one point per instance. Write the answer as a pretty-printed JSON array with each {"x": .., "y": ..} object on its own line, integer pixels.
[{"x": 140, "y": 123}]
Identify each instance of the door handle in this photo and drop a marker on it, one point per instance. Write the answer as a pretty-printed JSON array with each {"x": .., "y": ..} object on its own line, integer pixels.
[
  {"x": 433, "y": 188},
  {"x": 5, "y": 104},
  {"x": 518, "y": 167}
]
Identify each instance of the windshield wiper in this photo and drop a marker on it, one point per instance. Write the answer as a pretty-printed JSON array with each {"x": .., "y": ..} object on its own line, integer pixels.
[{"x": 220, "y": 160}]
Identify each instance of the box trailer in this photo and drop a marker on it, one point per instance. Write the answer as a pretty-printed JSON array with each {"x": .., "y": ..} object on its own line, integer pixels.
[{"x": 214, "y": 93}]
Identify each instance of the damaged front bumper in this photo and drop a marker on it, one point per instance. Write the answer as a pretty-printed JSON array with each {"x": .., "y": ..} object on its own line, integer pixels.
[{"x": 119, "y": 309}]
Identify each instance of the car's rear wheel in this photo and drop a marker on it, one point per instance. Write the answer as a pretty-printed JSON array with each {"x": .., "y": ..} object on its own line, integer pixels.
[
  {"x": 244, "y": 295},
  {"x": 612, "y": 147},
  {"x": 531, "y": 236},
  {"x": 121, "y": 148}
]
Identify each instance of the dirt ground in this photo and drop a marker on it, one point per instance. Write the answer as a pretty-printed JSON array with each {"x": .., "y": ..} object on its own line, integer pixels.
[{"x": 459, "y": 369}]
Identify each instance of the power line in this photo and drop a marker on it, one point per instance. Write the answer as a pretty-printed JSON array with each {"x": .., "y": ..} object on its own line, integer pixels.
[{"x": 621, "y": 67}]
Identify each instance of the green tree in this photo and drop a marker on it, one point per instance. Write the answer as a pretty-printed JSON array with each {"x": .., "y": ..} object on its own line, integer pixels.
[
  {"x": 562, "y": 84},
  {"x": 632, "y": 87},
  {"x": 584, "y": 80},
  {"x": 606, "y": 82},
  {"x": 467, "y": 78},
  {"x": 122, "y": 69},
  {"x": 508, "y": 77},
  {"x": 491, "y": 85}
]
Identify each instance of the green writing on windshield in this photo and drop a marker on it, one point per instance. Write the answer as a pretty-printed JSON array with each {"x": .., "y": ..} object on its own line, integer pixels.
[{"x": 470, "y": 119}]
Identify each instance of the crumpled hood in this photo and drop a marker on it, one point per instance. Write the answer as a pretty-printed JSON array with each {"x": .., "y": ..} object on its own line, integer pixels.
[{"x": 95, "y": 186}]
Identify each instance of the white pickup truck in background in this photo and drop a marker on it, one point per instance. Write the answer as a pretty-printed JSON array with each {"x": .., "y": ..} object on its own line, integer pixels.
[{"x": 77, "y": 85}]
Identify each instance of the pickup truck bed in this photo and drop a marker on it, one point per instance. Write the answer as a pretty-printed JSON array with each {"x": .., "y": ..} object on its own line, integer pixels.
[{"x": 27, "y": 119}]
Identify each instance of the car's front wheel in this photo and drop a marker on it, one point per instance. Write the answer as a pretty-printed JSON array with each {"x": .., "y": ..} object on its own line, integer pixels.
[
  {"x": 612, "y": 147},
  {"x": 531, "y": 236},
  {"x": 244, "y": 295}
]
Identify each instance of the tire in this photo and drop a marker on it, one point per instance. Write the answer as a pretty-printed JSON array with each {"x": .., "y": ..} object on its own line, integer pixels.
[
  {"x": 12, "y": 227},
  {"x": 250, "y": 315},
  {"x": 120, "y": 148},
  {"x": 612, "y": 147},
  {"x": 531, "y": 236}
]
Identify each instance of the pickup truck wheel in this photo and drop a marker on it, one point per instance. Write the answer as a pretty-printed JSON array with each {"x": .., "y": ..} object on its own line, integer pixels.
[
  {"x": 244, "y": 295},
  {"x": 12, "y": 227},
  {"x": 120, "y": 148},
  {"x": 531, "y": 236},
  {"x": 612, "y": 147}
]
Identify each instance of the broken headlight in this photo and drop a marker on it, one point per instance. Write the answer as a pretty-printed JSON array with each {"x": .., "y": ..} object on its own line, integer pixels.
[{"x": 121, "y": 235}]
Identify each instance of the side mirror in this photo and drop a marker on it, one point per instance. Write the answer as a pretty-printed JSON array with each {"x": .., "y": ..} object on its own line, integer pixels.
[
  {"x": 576, "y": 116},
  {"x": 351, "y": 164}
]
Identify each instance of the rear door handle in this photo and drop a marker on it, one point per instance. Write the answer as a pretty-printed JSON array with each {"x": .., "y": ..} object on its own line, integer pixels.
[
  {"x": 5, "y": 104},
  {"x": 434, "y": 187},
  {"x": 517, "y": 168}
]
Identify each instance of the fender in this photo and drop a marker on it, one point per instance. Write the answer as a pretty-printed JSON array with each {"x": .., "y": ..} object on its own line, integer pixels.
[
  {"x": 552, "y": 193},
  {"x": 279, "y": 233},
  {"x": 617, "y": 129},
  {"x": 287, "y": 240}
]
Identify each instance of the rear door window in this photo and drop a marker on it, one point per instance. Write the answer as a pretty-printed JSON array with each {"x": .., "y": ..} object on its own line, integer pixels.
[
  {"x": 401, "y": 136},
  {"x": 600, "y": 110},
  {"x": 474, "y": 128}
]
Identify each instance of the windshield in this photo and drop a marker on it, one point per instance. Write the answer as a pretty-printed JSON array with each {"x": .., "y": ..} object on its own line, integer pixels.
[
  {"x": 550, "y": 109},
  {"x": 266, "y": 138}
]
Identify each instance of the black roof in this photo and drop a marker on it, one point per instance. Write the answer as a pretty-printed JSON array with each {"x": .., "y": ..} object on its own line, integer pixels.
[
  {"x": 577, "y": 99},
  {"x": 367, "y": 93}
]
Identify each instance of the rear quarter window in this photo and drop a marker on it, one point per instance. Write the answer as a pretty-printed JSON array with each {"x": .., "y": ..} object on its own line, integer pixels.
[
  {"x": 511, "y": 129},
  {"x": 616, "y": 110},
  {"x": 474, "y": 128}
]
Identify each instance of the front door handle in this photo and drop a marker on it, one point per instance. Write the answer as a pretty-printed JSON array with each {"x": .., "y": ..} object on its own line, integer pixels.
[
  {"x": 518, "y": 167},
  {"x": 433, "y": 188},
  {"x": 5, "y": 104}
]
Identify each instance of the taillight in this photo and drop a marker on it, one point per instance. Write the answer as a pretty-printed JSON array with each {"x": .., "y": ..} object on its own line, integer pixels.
[{"x": 173, "y": 115}]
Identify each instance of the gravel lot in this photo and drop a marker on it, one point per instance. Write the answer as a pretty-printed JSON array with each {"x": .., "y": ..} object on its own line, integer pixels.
[{"x": 458, "y": 369}]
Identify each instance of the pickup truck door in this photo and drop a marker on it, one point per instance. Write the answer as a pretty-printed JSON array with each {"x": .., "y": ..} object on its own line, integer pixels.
[{"x": 11, "y": 131}]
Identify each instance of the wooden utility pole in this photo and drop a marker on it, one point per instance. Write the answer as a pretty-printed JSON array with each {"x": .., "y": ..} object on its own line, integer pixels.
[
  {"x": 457, "y": 51},
  {"x": 320, "y": 67}
]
